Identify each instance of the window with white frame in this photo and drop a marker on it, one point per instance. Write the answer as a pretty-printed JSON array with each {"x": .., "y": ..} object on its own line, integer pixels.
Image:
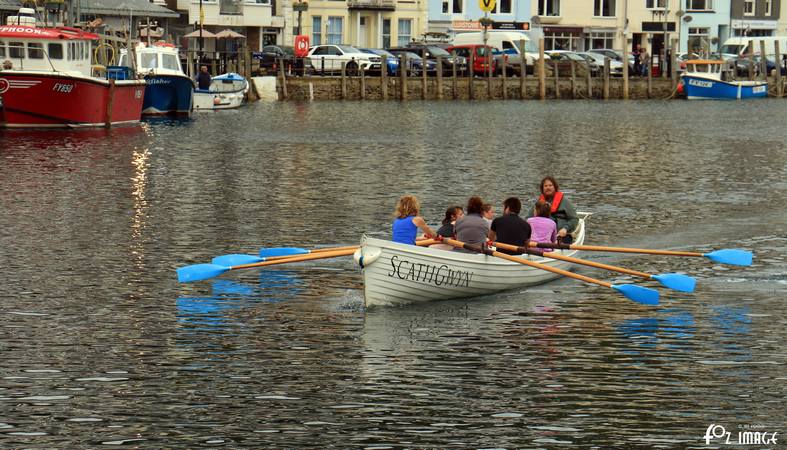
[
  {"x": 699, "y": 40},
  {"x": 599, "y": 39},
  {"x": 334, "y": 33},
  {"x": 560, "y": 40},
  {"x": 316, "y": 30},
  {"x": 748, "y": 7},
  {"x": 386, "y": 33},
  {"x": 699, "y": 5},
  {"x": 503, "y": 7},
  {"x": 768, "y": 7},
  {"x": 405, "y": 32},
  {"x": 655, "y": 4},
  {"x": 549, "y": 7},
  {"x": 604, "y": 8},
  {"x": 452, "y": 6}
]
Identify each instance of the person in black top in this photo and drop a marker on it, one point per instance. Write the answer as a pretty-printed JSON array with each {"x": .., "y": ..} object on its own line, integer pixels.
[
  {"x": 510, "y": 228},
  {"x": 203, "y": 78}
]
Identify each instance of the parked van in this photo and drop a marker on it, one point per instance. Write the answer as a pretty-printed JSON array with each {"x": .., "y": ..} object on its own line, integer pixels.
[
  {"x": 508, "y": 41},
  {"x": 739, "y": 46}
]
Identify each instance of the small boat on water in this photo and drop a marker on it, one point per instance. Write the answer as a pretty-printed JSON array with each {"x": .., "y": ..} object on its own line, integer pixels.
[
  {"x": 169, "y": 91},
  {"x": 396, "y": 274},
  {"x": 46, "y": 80},
  {"x": 709, "y": 79},
  {"x": 226, "y": 92}
]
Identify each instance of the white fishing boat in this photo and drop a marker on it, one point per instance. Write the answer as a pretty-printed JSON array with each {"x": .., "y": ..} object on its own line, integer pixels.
[
  {"x": 226, "y": 92},
  {"x": 396, "y": 274}
]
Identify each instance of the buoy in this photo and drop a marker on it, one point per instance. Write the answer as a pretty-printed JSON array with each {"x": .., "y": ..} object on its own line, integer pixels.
[
  {"x": 680, "y": 87},
  {"x": 216, "y": 100}
]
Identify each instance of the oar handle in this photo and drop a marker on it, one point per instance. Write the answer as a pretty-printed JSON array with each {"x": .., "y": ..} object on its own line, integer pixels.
[
  {"x": 565, "y": 273},
  {"x": 599, "y": 248},
  {"x": 571, "y": 259}
]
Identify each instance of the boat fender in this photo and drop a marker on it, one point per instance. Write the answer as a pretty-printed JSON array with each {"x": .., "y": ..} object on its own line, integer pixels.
[{"x": 366, "y": 255}]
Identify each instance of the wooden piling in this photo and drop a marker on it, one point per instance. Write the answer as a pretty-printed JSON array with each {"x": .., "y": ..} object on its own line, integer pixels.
[
  {"x": 505, "y": 69},
  {"x": 283, "y": 76},
  {"x": 488, "y": 72},
  {"x": 557, "y": 79},
  {"x": 542, "y": 75},
  {"x": 344, "y": 80},
  {"x": 650, "y": 76},
  {"x": 589, "y": 84},
  {"x": 625, "y": 69},
  {"x": 363, "y": 84},
  {"x": 778, "y": 56},
  {"x": 751, "y": 59},
  {"x": 605, "y": 93},
  {"x": 763, "y": 61},
  {"x": 439, "y": 78},
  {"x": 455, "y": 88},
  {"x": 423, "y": 79},
  {"x": 471, "y": 92},
  {"x": 573, "y": 80},
  {"x": 674, "y": 64},
  {"x": 403, "y": 77},
  {"x": 522, "y": 69},
  {"x": 110, "y": 103},
  {"x": 384, "y": 79}
]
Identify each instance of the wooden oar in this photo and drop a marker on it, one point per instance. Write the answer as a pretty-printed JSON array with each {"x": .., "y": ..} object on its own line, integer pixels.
[
  {"x": 674, "y": 281},
  {"x": 197, "y": 272},
  {"x": 726, "y": 256},
  {"x": 639, "y": 294}
]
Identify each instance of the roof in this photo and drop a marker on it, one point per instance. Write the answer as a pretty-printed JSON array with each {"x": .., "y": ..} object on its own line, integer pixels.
[{"x": 142, "y": 8}]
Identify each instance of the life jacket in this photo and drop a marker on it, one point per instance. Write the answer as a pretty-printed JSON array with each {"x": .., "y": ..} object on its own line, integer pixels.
[{"x": 555, "y": 201}]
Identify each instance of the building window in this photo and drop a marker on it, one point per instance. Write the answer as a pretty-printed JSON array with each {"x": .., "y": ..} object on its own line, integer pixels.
[
  {"x": 699, "y": 40},
  {"x": 748, "y": 7},
  {"x": 699, "y": 5},
  {"x": 386, "y": 33},
  {"x": 548, "y": 7},
  {"x": 559, "y": 40},
  {"x": 230, "y": 7},
  {"x": 655, "y": 4},
  {"x": 405, "y": 32},
  {"x": 599, "y": 39},
  {"x": 335, "y": 30},
  {"x": 768, "y": 4},
  {"x": 316, "y": 30},
  {"x": 503, "y": 7},
  {"x": 456, "y": 6},
  {"x": 604, "y": 8}
]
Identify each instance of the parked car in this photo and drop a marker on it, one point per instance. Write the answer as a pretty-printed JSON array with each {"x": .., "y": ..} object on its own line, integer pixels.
[
  {"x": 432, "y": 52},
  {"x": 742, "y": 66},
  {"x": 329, "y": 58},
  {"x": 415, "y": 64},
  {"x": 483, "y": 57},
  {"x": 271, "y": 55},
  {"x": 563, "y": 59},
  {"x": 391, "y": 61},
  {"x": 615, "y": 55},
  {"x": 597, "y": 60}
]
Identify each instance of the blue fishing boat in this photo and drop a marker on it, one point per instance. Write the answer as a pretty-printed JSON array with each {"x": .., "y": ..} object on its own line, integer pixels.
[
  {"x": 169, "y": 91},
  {"x": 709, "y": 79}
]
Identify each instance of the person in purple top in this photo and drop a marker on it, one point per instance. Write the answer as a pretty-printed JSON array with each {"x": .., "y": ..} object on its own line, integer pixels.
[
  {"x": 407, "y": 221},
  {"x": 543, "y": 227}
]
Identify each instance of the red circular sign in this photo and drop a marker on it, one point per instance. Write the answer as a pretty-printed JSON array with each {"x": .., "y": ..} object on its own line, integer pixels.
[{"x": 4, "y": 85}]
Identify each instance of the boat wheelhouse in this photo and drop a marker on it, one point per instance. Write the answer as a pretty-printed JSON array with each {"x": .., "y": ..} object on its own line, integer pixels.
[
  {"x": 169, "y": 91},
  {"x": 711, "y": 79},
  {"x": 47, "y": 80}
]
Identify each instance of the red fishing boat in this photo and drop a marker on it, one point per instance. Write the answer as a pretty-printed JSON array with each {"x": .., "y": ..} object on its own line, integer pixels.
[{"x": 46, "y": 80}]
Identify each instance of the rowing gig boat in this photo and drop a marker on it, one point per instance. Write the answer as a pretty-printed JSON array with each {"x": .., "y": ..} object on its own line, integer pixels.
[{"x": 397, "y": 274}]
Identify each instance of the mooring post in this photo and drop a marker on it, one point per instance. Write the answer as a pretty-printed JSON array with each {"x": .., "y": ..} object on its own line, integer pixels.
[
  {"x": 363, "y": 84},
  {"x": 283, "y": 76},
  {"x": 423, "y": 80},
  {"x": 606, "y": 78},
  {"x": 573, "y": 80},
  {"x": 344, "y": 80},
  {"x": 778, "y": 57},
  {"x": 403, "y": 77},
  {"x": 471, "y": 70},
  {"x": 542, "y": 75},
  {"x": 751, "y": 60},
  {"x": 589, "y": 84},
  {"x": 439, "y": 78},
  {"x": 763, "y": 61},
  {"x": 557, "y": 79},
  {"x": 455, "y": 92},
  {"x": 625, "y": 69},
  {"x": 384, "y": 79},
  {"x": 522, "y": 69},
  {"x": 674, "y": 64},
  {"x": 505, "y": 69}
]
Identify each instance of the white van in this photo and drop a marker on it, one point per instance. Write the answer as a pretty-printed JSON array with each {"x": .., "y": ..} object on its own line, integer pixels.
[
  {"x": 739, "y": 46},
  {"x": 507, "y": 41}
]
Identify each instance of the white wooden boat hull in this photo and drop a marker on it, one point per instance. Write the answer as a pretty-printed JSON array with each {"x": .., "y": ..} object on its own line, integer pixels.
[{"x": 397, "y": 274}]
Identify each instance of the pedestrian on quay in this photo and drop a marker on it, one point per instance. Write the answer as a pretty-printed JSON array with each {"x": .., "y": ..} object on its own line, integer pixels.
[
  {"x": 644, "y": 61},
  {"x": 408, "y": 221},
  {"x": 510, "y": 228},
  {"x": 637, "y": 68},
  {"x": 203, "y": 78}
]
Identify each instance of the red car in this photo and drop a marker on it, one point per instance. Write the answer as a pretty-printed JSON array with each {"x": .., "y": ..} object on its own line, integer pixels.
[{"x": 481, "y": 57}]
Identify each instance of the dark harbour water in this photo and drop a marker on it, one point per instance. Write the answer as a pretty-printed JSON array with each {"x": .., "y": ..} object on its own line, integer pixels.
[{"x": 102, "y": 348}]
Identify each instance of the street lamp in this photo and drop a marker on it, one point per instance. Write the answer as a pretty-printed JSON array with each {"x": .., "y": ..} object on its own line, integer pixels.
[{"x": 300, "y": 6}]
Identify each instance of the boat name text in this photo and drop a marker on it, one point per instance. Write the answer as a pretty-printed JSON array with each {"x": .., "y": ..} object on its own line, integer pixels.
[
  {"x": 698, "y": 83},
  {"x": 428, "y": 273},
  {"x": 158, "y": 81},
  {"x": 64, "y": 88}
]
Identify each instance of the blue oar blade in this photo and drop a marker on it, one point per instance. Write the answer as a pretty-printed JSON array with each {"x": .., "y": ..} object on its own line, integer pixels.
[
  {"x": 199, "y": 272},
  {"x": 676, "y": 281},
  {"x": 639, "y": 294},
  {"x": 235, "y": 259},
  {"x": 282, "y": 251},
  {"x": 730, "y": 256}
]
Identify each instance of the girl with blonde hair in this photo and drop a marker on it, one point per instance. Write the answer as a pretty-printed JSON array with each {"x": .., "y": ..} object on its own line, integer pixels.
[{"x": 408, "y": 221}]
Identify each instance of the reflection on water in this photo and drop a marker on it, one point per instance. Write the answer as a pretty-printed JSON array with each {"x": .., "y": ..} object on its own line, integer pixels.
[{"x": 102, "y": 347}]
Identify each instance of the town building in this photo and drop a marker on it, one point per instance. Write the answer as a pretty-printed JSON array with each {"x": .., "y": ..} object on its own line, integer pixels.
[{"x": 754, "y": 17}]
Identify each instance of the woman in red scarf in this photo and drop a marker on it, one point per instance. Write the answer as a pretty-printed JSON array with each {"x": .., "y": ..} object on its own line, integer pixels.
[{"x": 562, "y": 210}]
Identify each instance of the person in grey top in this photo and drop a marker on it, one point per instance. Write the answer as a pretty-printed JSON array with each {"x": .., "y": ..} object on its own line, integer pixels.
[{"x": 472, "y": 228}]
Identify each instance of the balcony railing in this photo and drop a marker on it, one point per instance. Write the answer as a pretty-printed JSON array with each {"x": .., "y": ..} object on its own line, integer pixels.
[{"x": 387, "y": 5}]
